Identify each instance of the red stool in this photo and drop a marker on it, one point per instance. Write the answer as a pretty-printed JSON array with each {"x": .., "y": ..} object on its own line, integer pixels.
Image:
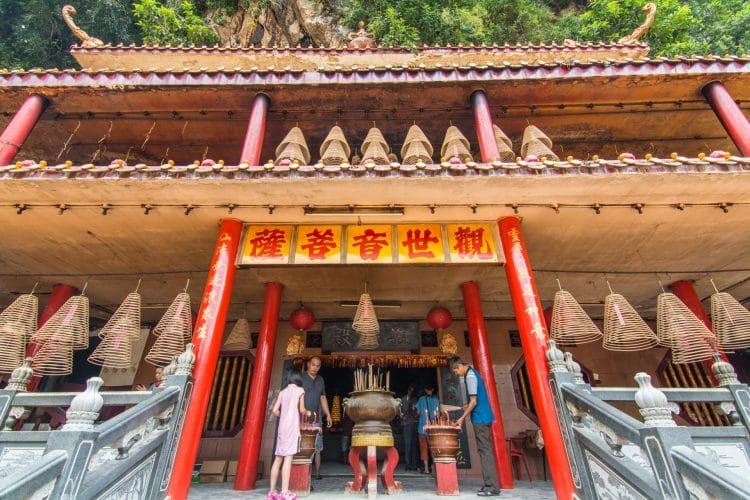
[{"x": 517, "y": 457}]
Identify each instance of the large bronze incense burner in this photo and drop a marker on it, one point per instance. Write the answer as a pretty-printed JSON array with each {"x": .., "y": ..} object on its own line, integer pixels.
[
  {"x": 371, "y": 412},
  {"x": 371, "y": 406}
]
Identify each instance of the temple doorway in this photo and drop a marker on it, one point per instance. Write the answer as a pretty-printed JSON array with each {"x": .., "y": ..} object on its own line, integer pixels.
[{"x": 339, "y": 383}]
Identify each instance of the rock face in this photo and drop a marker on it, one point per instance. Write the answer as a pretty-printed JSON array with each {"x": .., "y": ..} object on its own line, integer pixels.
[{"x": 309, "y": 23}]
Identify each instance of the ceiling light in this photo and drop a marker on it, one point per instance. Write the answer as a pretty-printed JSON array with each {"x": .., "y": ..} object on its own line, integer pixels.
[{"x": 354, "y": 210}]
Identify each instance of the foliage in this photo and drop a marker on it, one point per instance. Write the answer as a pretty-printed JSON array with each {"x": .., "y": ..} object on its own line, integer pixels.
[
  {"x": 174, "y": 25},
  {"x": 33, "y": 33}
]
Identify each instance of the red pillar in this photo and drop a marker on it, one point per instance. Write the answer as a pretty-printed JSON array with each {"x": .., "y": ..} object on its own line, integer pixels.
[
  {"x": 530, "y": 321},
  {"x": 247, "y": 465},
  {"x": 685, "y": 291},
  {"x": 483, "y": 122},
  {"x": 60, "y": 294},
  {"x": 207, "y": 336},
  {"x": 480, "y": 355},
  {"x": 20, "y": 127},
  {"x": 256, "y": 130},
  {"x": 730, "y": 115}
]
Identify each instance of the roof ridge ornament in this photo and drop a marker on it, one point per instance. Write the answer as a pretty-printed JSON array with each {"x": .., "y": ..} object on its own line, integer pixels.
[
  {"x": 87, "y": 41},
  {"x": 637, "y": 34},
  {"x": 361, "y": 39}
]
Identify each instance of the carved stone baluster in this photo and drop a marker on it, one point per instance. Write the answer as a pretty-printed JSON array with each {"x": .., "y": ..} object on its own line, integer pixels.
[
  {"x": 654, "y": 405},
  {"x": 185, "y": 361},
  {"x": 555, "y": 358},
  {"x": 19, "y": 380},
  {"x": 574, "y": 368},
  {"x": 724, "y": 371},
  {"x": 170, "y": 369},
  {"x": 84, "y": 409}
]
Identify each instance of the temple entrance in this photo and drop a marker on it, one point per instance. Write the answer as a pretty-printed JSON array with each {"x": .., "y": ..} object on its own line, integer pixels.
[{"x": 339, "y": 383}]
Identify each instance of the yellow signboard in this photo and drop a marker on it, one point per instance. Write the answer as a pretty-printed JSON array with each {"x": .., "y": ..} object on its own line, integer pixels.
[{"x": 415, "y": 243}]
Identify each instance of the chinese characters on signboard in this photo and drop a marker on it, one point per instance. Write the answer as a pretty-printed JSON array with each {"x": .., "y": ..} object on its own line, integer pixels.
[{"x": 469, "y": 243}]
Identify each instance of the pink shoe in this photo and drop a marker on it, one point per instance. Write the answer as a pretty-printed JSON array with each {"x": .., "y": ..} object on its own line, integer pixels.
[
  {"x": 273, "y": 495},
  {"x": 288, "y": 495}
]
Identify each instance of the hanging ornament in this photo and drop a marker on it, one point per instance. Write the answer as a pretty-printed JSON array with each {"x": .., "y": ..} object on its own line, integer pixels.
[
  {"x": 66, "y": 330},
  {"x": 680, "y": 330},
  {"x": 731, "y": 321},
  {"x": 302, "y": 319},
  {"x": 17, "y": 324},
  {"x": 173, "y": 329},
  {"x": 570, "y": 323},
  {"x": 624, "y": 329},
  {"x": 239, "y": 337},
  {"x": 119, "y": 334},
  {"x": 439, "y": 318},
  {"x": 366, "y": 323},
  {"x": 448, "y": 344}
]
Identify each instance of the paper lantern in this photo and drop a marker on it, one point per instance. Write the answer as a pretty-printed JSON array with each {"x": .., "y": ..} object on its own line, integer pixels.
[
  {"x": 439, "y": 318},
  {"x": 302, "y": 319}
]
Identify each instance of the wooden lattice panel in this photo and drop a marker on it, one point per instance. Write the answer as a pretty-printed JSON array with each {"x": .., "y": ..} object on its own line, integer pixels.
[{"x": 226, "y": 409}]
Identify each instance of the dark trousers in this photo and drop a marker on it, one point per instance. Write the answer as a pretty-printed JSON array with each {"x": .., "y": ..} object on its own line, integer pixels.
[
  {"x": 486, "y": 454},
  {"x": 410, "y": 445}
]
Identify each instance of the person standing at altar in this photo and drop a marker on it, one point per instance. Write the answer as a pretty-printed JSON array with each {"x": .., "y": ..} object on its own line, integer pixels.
[
  {"x": 428, "y": 407},
  {"x": 316, "y": 402},
  {"x": 481, "y": 418},
  {"x": 409, "y": 419}
]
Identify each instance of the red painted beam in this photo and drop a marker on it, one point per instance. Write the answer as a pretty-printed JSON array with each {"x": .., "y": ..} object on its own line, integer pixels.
[
  {"x": 530, "y": 321},
  {"x": 20, "y": 126},
  {"x": 60, "y": 294},
  {"x": 480, "y": 355},
  {"x": 207, "y": 336},
  {"x": 730, "y": 115},
  {"x": 483, "y": 121},
  {"x": 247, "y": 465},
  {"x": 256, "y": 130}
]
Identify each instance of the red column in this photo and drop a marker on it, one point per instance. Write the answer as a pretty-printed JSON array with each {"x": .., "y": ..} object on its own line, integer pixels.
[
  {"x": 730, "y": 115},
  {"x": 20, "y": 127},
  {"x": 247, "y": 465},
  {"x": 207, "y": 336},
  {"x": 483, "y": 121},
  {"x": 480, "y": 354},
  {"x": 60, "y": 294},
  {"x": 530, "y": 321},
  {"x": 685, "y": 291},
  {"x": 256, "y": 130}
]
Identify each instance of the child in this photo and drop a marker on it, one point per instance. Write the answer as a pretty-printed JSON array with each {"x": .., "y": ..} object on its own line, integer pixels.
[{"x": 287, "y": 407}]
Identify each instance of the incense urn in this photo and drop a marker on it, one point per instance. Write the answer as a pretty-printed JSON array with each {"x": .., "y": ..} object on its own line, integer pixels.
[
  {"x": 371, "y": 412},
  {"x": 443, "y": 441},
  {"x": 306, "y": 444}
]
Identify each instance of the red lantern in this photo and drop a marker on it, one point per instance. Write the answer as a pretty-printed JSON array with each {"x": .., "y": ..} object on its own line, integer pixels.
[
  {"x": 439, "y": 318},
  {"x": 302, "y": 319}
]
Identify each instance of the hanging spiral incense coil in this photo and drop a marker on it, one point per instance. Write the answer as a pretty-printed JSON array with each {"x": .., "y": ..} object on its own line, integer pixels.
[
  {"x": 680, "y": 330},
  {"x": 118, "y": 335},
  {"x": 504, "y": 145},
  {"x": 239, "y": 337},
  {"x": 69, "y": 324},
  {"x": 292, "y": 152},
  {"x": 335, "y": 135},
  {"x": 375, "y": 136},
  {"x": 731, "y": 321},
  {"x": 21, "y": 317},
  {"x": 172, "y": 332},
  {"x": 375, "y": 153},
  {"x": 55, "y": 357},
  {"x": 296, "y": 138},
  {"x": 14, "y": 346},
  {"x": 624, "y": 329},
  {"x": 452, "y": 135},
  {"x": 415, "y": 153},
  {"x": 535, "y": 143},
  {"x": 570, "y": 323},
  {"x": 413, "y": 137}
]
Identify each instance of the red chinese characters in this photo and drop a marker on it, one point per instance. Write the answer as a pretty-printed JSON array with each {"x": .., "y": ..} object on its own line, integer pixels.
[
  {"x": 266, "y": 245},
  {"x": 471, "y": 243},
  {"x": 370, "y": 244},
  {"x": 318, "y": 245}
]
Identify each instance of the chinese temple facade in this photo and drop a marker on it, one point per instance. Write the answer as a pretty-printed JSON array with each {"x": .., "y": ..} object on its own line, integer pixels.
[{"x": 476, "y": 180}]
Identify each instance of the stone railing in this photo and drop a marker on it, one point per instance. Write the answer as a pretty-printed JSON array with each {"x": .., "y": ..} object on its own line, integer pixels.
[
  {"x": 613, "y": 455},
  {"x": 127, "y": 456}
]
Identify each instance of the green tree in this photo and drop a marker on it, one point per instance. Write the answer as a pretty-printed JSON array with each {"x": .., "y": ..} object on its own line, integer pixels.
[{"x": 173, "y": 24}]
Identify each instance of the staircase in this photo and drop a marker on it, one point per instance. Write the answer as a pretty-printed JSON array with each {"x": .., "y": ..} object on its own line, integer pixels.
[{"x": 615, "y": 456}]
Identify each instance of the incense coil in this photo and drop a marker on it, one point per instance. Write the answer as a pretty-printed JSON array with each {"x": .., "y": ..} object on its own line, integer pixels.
[
  {"x": 336, "y": 135},
  {"x": 296, "y": 137},
  {"x": 504, "y": 145},
  {"x": 334, "y": 154},
  {"x": 14, "y": 346},
  {"x": 532, "y": 133},
  {"x": 116, "y": 348},
  {"x": 375, "y": 153},
  {"x": 293, "y": 152},
  {"x": 21, "y": 315},
  {"x": 178, "y": 319},
  {"x": 731, "y": 321},
  {"x": 69, "y": 324},
  {"x": 239, "y": 337},
  {"x": 416, "y": 152},
  {"x": 500, "y": 137},
  {"x": 416, "y": 136},
  {"x": 535, "y": 143},
  {"x": 624, "y": 329},
  {"x": 375, "y": 136},
  {"x": 680, "y": 330},
  {"x": 456, "y": 149},
  {"x": 55, "y": 357},
  {"x": 452, "y": 134},
  {"x": 570, "y": 323}
]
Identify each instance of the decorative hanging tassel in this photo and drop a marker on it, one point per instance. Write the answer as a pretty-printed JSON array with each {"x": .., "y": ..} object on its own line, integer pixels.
[
  {"x": 624, "y": 329},
  {"x": 570, "y": 323},
  {"x": 679, "y": 329},
  {"x": 118, "y": 335},
  {"x": 17, "y": 324},
  {"x": 239, "y": 337}
]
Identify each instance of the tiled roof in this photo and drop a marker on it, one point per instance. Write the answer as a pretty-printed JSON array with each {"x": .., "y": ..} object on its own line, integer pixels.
[{"x": 716, "y": 163}]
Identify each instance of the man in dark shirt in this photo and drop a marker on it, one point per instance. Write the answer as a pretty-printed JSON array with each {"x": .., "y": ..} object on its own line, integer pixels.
[{"x": 316, "y": 402}]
